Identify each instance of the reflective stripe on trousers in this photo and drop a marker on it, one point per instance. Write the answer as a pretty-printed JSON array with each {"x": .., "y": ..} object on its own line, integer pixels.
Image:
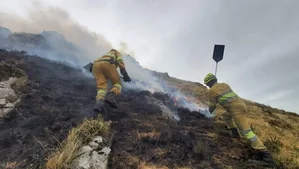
[
  {"x": 101, "y": 94},
  {"x": 256, "y": 143},
  {"x": 116, "y": 89},
  {"x": 118, "y": 85},
  {"x": 249, "y": 134}
]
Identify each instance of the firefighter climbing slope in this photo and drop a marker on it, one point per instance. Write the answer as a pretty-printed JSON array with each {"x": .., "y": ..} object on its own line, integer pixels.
[
  {"x": 104, "y": 69},
  {"x": 222, "y": 94}
]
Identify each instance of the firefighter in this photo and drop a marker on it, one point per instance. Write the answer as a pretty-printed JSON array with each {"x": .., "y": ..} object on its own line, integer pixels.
[
  {"x": 104, "y": 69},
  {"x": 222, "y": 94}
]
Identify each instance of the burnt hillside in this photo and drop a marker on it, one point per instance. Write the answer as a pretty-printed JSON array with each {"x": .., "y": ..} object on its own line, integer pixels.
[
  {"x": 150, "y": 130},
  {"x": 54, "y": 99}
]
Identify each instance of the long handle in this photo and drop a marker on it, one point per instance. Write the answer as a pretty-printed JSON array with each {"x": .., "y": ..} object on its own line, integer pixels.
[{"x": 216, "y": 68}]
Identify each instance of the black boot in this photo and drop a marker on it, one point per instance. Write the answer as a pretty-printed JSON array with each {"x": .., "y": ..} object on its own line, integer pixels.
[
  {"x": 234, "y": 133},
  {"x": 266, "y": 158},
  {"x": 110, "y": 99},
  {"x": 99, "y": 106},
  {"x": 100, "y": 109}
]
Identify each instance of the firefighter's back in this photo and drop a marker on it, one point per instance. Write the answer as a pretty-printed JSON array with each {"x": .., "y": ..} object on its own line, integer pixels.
[{"x": 227, "y": 98}]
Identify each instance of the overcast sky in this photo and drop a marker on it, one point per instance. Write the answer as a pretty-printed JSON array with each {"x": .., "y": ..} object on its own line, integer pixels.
[{"x": 178, "y": 37}]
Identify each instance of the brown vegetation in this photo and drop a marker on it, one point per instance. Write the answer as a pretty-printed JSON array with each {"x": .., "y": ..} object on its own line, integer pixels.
[
  {"x": 277, "y": 128},
  {"x": 56, "y": 99},
  {"x": 77, "y": 137}
]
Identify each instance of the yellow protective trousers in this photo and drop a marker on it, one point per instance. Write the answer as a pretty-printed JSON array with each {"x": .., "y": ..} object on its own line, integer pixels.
[
  {"x": 104, "y": 71},
  {"x": 234, "y": 118}
]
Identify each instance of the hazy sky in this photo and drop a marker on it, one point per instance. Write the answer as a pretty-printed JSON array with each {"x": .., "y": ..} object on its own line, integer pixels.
[{"x": 178, "y": 37}]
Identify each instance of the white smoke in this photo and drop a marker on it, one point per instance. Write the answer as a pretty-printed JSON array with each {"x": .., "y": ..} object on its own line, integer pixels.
[
  {"x": 53, "y": 20},
  {"x": 144, "y": 79},
  {"x": 165, "y": 110},
  {"x": 60, "y": 38},
  {"x": 191, "y": 105}
]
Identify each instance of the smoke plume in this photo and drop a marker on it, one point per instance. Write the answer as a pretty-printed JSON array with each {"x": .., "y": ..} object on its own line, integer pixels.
[
  {"x": 56, "y": 19},
  {"x": 52, "y": 34}
]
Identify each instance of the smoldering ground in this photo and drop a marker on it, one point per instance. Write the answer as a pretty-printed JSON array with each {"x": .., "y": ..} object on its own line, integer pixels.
[
  {"x": 57, "y": 98},
  {"x": 64, "y": 40}
]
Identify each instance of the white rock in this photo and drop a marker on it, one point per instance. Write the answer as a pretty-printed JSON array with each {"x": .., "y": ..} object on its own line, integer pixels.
[
  {"x": 85, "y": 149},
  {"x": 97, "y": 161},
  {"x": 4, "y": 85},
  {"x": 82, "y": 161},
  {"x": 90, "y": 159},
  {"x": 11, "y": 80},
  {"x": 6, "y": 92},
  {"x": 100, "y": 160},
  {"x": 2, "y": 102},
  {"x": 95, "y": 142},
  {"x": 9, "y": 105},
  {"x": 93, "y": 145},
  {"x": 98, "y": 139},
  {"x": 4, "y": 111},
  {"x": 7, "y": 84},
  {"x": 17, "y": 101},
  {"x": 1, "y": 112},
  {"x": 105, "y": 151}
]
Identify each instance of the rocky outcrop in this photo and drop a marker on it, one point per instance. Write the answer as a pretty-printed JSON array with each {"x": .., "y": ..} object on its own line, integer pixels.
[
  {"x": 92, "y": 156},
  {"x": 11, "y": 77},
  {"x": 8, "y": 97}
]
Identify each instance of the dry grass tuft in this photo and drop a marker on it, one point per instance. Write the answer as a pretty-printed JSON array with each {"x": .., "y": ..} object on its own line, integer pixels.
[
  {"x": 201, "y": 150},
  {"x": 273, "y": 144},
  {"x": 290, "y": 163},
  {"x": 216, "y": 159},
  {"x": 11, "y": 165},
  {"x": 77, "y": 137},
  {"x": 280, "y": 123},
  {"x": 149, "y": 135},
  {"x": 144, "y": 165}
]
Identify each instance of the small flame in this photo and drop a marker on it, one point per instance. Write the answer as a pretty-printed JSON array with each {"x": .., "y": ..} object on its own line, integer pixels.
[{"x": 177, "y": 98}]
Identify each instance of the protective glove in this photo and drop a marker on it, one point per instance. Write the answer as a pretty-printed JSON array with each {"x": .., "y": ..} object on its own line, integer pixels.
[
  {"x": 211, "y": 109},
  {"x": 126, "y": 76}
]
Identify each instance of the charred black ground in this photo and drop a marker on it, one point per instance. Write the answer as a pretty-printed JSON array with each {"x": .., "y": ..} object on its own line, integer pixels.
[
  {"x": 145, "y": 137},
  {"x": 57, "y": 98}
]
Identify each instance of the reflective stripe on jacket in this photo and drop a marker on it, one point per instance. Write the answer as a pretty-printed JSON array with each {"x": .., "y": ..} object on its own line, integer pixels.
[
  {"x": 115, "y": 55},
  {"x": 222, "y": 94}
]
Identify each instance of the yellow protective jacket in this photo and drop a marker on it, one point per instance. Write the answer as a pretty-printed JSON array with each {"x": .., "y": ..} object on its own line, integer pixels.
[
  {"x": 115, "y": 56},
  {"x": 222, "y": 94}
]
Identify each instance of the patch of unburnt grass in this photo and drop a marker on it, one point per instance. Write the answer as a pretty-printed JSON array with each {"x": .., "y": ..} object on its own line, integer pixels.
[
  {"x": 77, "y": 137},
  {"x": 273, "y": 144},
  {"x": 280, "y": 123}
]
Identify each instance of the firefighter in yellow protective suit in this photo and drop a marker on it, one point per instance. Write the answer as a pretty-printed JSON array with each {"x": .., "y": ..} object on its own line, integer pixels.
[
  {"x": 104, "y": 69},
  {"x": 222, "y": 94}
]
